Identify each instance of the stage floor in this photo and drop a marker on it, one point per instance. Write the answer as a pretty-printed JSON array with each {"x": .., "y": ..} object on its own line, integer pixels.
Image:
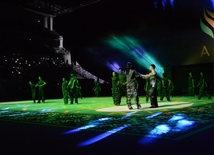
[
  {"x": 103, "y": 105},
  {"x": 94, "y": 121}
]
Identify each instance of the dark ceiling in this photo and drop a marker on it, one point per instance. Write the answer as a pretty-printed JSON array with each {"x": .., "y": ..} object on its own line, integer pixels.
[
  {"x": 49, "y": 7},
  {"x": 22, "y": 21}
]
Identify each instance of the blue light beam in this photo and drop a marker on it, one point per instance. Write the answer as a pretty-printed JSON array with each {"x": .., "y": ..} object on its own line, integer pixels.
[
  {"x": 154, "y": 115},
  {"x": 129, "y": 114},
  {"x": 102, "y": 136},
  {"x": 91, "y": 124},
  {"x": 176, "y": 118},
  {"x": 212, "y": 3}
]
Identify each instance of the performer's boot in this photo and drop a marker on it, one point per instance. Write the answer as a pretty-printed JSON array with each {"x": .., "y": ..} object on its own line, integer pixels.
[
  {"x": 138, "y": 106},
  {"x": 130, "y": 107}
]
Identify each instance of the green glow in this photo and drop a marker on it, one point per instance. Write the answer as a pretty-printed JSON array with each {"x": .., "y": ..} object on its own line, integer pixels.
[{"x": 132, "y": 48}]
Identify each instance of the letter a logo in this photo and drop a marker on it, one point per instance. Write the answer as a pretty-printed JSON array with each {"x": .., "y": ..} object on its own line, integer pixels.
[{"x": 205, "y": 51}]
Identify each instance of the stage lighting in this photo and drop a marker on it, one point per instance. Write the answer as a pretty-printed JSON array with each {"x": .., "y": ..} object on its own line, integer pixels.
[
  {"x": 212, "y": 3},
  {"x": 132, "y": 49},
  {"x": 102, "y": 136},
  {"x": 91, "y": 124},
  {"x": 153, "y": 115},
  {"x": 158, "y": 131},
  {"x": 176, "y": 118}
]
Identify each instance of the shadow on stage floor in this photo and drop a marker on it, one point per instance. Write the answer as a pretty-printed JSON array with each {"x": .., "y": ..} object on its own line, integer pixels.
[{"x": 96, "y": 126}]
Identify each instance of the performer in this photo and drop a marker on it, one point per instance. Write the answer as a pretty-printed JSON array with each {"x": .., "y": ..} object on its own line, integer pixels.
[
  {"x": 153, "y": 86},
  {"x": 96, "y": 88},
  {"x": 159, "y": 87},
  {"x": 72, "y": 86},
  {"x": 121, "y": 84},
  {"x": 208, "y": 90},
  {"x": 79, "y": 89},
  {"x": 165, "y": 88},
  {"x": 191, "y": 85},
  {"x": 114, "y": 88},
  {"x": 203, "y": 88},
  {"x": 137, "y": 86},
  {"x": 65, "y": 90},
  {"x": 33, "y": 91},
  {"x": 40, "y": 84},
  {"x": 146, "y": 88},
  {"x": 131, "y": 86},
  {"x": 171, "y": 88}
]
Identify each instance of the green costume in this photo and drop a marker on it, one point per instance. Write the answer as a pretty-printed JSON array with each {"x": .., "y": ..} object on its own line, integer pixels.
[
  {"x": 201, "y": 85},
  {"x": 203, "y": 89},
  {"x": 191, "y": 85},
  {"x": 79, "y": 89},
  {"x": 96, "y": 89},
  {"x": 159, "y": 87},
  {"x": 165, "y": 88},
  {"x": 33, "y": 91},
  {"x": 121, "y": 86},
  {"x": 72, "y": 85},
  {"x": 41, "y": 93},
  {"x": 171, "y": 88},
  {"x": 146, "y": 89},
  {"x": 65, "y": 90},
  {"x": 114, "y": 88}
]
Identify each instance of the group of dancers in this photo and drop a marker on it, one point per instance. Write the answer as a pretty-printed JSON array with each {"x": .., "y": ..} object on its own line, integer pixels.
[
  {"x": 71, "y": 89},
  {"x": 38, "y": 88},
  {"x": 126, "y": 84},
  {"x": 203, "y": 88},
  {"x": 123, "y": 84}
]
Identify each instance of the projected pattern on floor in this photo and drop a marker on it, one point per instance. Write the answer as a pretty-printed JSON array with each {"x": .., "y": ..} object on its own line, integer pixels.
[{"x": 174, "y": 125}]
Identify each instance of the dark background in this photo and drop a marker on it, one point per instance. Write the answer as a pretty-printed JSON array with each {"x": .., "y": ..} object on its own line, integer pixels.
[{"x": 170, "y": 32}]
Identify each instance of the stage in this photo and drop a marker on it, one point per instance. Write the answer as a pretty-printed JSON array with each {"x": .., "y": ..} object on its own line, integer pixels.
[{"x": 96, "y": 125}]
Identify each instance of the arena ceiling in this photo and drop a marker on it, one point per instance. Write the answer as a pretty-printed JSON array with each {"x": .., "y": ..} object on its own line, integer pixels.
[
  {"x": 48, "y": 7},
  {"x": 20, "y": 19}
]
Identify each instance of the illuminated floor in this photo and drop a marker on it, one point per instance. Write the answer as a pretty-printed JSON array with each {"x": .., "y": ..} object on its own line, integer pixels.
[{"x": 96, "y": 126}]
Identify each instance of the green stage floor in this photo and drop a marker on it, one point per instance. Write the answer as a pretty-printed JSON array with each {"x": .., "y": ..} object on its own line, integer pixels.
[
  {"x": 175, "y": 121},
  {"x": 104, "y": 106},
  {"x": 197, "y": 114}
]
